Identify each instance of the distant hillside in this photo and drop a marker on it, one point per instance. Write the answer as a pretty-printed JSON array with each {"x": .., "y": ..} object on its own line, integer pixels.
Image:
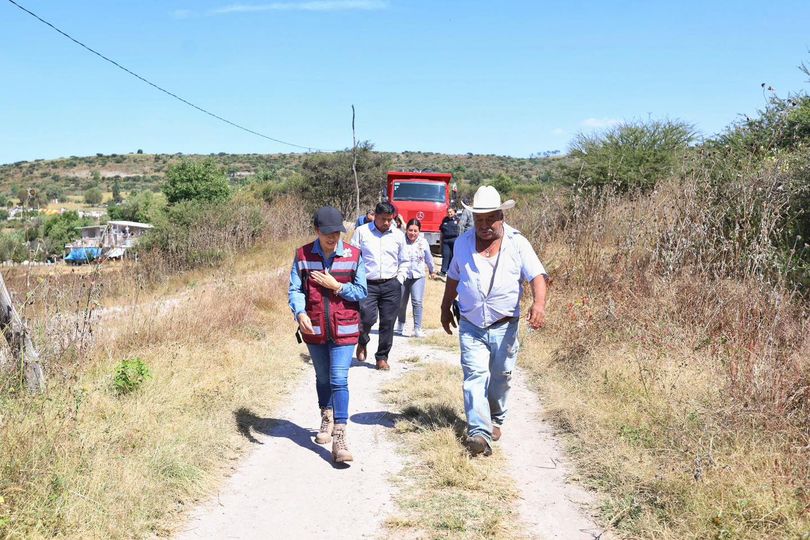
[{"x": 73, "y": 175}]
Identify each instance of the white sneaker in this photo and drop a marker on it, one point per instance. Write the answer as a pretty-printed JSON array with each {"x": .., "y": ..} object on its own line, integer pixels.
[
  {"x": 417, "y": 332},
  {"x": 399, "y": 329}
]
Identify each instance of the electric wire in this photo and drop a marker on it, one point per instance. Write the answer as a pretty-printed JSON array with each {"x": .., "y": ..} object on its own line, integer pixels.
[{"x": 150, "y": 83}]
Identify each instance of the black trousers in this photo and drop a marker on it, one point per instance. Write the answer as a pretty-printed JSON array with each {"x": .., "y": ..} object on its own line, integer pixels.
[
  {"x": 447, "y": 253},
  {"x": 383, "y": 298}
]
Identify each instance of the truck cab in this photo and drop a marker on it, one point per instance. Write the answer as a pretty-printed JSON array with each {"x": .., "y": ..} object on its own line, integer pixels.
[{"x": 424, "y": 196}]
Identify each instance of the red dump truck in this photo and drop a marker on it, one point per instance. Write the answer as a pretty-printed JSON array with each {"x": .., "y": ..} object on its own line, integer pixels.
[{"x": 424, "y": 196}]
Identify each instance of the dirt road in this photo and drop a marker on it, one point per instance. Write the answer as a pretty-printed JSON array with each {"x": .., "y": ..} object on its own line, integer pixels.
[{"x": 288, "y": 487}]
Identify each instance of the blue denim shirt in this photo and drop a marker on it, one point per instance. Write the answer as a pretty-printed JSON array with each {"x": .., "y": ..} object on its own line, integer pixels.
[{"x": 354, "y": 291}]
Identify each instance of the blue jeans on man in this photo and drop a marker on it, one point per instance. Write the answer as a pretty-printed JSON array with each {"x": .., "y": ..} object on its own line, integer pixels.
[
  {"x": 488, "y": 358},
  {"x": 332, "y": 364}
]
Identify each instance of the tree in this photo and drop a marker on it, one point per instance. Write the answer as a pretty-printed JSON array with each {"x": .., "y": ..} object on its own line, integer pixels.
[
  {"x": 196, "y": 180},
  {"x": 145, "y": 207},
  {"x": 93, "y": 196},
  {"x": 116, "y": 191},
  {"x": 60, "y": 230},
  {"x": 53, "y": 192},
  {"x": 631, "y": 154},
  {"x": 503, "y": 183},
  {"x": 328, "y": 178}
]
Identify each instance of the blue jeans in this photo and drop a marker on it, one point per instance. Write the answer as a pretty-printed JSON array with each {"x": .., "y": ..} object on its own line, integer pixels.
[
  {"x": 332, "y": 364},
  {"x": 415, "y": 288},
  {"x": 488, "y": 357}
]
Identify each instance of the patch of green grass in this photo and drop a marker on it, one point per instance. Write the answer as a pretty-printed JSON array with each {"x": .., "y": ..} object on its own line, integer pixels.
[{"x": 130, "y": 374}]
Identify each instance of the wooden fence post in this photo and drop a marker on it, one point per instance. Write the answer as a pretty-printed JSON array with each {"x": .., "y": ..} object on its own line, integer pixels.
[{"x": 22, "y": 349}]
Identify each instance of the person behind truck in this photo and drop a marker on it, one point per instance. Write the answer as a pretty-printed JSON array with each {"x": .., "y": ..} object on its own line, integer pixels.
[
  {"x": 368, "y": 217},
  {"x": 449, "y": 230},
  {"x": 382, "y": 247},
  {"x": 465, "y": 221},
  {"x": 418, "y": 254},
  {"x": 327, "y": 282}
]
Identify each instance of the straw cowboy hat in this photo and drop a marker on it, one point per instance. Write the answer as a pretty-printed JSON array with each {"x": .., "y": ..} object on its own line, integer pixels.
[{"x": 487, "y": 199}]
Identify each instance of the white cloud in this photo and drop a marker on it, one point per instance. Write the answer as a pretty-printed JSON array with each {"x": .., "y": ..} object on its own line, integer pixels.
[
  {"x": 182, "y": 13},
  {"x": 598, "y": 123},
  {"x": 315, "y": 5}
]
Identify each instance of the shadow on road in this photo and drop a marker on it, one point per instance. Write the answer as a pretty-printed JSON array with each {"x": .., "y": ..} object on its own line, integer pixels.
[
  {"x": 247, "y": 422},
  {"x": 376, "y": 418},
  {"x": 372, "y": 364},
  {"x": 436, "y": 416}
]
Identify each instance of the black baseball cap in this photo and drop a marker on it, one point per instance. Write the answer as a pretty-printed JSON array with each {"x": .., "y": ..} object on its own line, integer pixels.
[{"x": 328, "y": 220}]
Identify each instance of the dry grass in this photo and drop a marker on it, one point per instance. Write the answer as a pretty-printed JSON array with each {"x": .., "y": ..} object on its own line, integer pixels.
[
  {"x": 675, "y": 361},
  {"x": 445, "y": 494},
  {"x": 83, "y": 461}
]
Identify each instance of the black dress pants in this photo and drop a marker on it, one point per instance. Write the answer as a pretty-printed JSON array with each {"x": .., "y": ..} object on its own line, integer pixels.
[
  {"x": 383, "y": 298},
  {"x": 447, "y": 253}
]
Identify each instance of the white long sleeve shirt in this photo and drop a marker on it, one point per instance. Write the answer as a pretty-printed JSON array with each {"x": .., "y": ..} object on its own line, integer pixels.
[{"x": 383, "y": 253}]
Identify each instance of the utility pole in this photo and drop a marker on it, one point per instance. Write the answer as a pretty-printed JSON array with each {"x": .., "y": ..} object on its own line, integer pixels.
[{"x": 354, "y": 169}]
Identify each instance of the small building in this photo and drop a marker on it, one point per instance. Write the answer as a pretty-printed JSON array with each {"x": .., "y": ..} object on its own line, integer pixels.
[{"x": 112, "y": 240}]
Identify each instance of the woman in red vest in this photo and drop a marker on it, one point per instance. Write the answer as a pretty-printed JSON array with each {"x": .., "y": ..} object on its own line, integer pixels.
[{"x": 327, "y": 282}]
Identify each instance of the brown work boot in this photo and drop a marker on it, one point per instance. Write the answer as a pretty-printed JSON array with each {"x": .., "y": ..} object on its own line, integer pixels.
[
  {"x": 360, "y": 353},
  {"x": 382, "y": 364},
  {"x": 340, "y": 450},
  {"x": 327, "y": 426},
  {"x": 478, "y": 445},
  {"x": 496, "y": 433}
]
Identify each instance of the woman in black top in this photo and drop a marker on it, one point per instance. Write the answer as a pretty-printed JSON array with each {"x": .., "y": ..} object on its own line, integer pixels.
[{"x": 449, "y": 230}]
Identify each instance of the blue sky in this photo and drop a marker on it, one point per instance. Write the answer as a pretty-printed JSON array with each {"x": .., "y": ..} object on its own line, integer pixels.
[{"x": 511, "y": 78}]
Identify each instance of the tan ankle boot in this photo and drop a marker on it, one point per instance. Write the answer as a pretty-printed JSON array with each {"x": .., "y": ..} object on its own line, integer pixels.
[
  {"x": 327, "y": 426},
  {"x": 340, "y": 451}
]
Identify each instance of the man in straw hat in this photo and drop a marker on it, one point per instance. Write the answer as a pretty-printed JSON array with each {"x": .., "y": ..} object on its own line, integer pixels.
[{"x": 490, "y": 263}]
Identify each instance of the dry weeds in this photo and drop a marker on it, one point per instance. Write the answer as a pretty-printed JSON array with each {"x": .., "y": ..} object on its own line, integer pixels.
[
  {"x": 83, "y": 461},
  {"x": 676, "y": 360}
]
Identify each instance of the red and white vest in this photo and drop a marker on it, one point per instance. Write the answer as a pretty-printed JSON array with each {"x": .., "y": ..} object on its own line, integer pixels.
[{"x": 333, "y": 317}]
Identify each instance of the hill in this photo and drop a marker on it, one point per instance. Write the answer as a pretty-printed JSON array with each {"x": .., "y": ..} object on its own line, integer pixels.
[{"x": 59, "y": 178}]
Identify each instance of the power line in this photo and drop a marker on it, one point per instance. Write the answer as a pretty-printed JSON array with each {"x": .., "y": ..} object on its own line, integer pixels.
[{"x": 150, "y": 83}]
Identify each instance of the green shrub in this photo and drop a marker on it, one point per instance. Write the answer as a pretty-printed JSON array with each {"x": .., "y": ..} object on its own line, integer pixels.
[
  {"x": 631, "y": 155},
  {"x": 93, "y": 196},
  {"x": 329, "y": 180},
  {"x": 503, "y": 183},
  {"x": 130, "y": 374},
  {"x": 200, "y": 180},
  {"x": 61, "y": 229},
  {"x": 144, "y": 207},
  {"x": 192, "y": 234}
]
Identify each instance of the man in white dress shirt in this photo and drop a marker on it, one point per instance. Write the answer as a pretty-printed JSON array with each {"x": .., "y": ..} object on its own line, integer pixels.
[
  {"x": 490, "y": 263},
  {"x": 382, "y": 248}
]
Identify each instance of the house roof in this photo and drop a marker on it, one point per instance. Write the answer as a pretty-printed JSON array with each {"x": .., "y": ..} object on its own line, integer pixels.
[{"x": 130, "y": 224}]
